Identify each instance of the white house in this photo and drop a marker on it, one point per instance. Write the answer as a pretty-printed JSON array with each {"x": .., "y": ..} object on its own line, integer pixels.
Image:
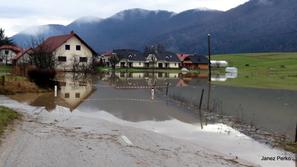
[
  {"x": 69, "y": 51},
  {"x": 129, "y": 58},
  {"x": 162, "y": 60},
  {"x": 135, "y": 59},
  {"x": 8, "y": 52},
  {"x": 23, "y": 58}
]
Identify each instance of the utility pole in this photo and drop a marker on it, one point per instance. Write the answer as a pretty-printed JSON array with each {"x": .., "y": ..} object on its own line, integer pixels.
[
  {"x": 209, "y": 75},
  {"x": 209, "y": 64}
]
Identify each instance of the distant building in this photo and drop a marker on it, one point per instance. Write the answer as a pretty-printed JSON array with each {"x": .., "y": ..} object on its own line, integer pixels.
[
  {"x": 162, "y": 60},
  {"x": 130, "y": 58},
  {"x": 193, "y": 61},
  {"x": 68, "y": 50},
  {"x": 103, "y": 58},
  {"x": 8, "y": 52},
  {"x": 23, "y": 58}
]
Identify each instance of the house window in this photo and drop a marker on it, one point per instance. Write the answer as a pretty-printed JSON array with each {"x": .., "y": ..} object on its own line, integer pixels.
[
  {"x": 62, "y": 58},
  {"x": 140, "y": 63},
  {"x": 174, "y": 64},
  {"x": 67, "y": 47},
  {"x": 6, "y": 52},
  {"x": 77, "y": 47},
  {"x": 83, "y": 59},
  {"x": 67, "y": 95},
  {"x": 77, "y": 95}
]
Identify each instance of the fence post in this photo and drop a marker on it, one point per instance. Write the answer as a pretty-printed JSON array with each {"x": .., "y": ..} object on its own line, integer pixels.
[
  {"x": 3, "y": 80},
  {"x": 201, "y": 98},
  {"x": 208, "y": 99},
  {"x": 56, "y": 91},
  {"x": 200, "y": 112},
  {"x": 167, "y": 85},
  {"x": 296, "y": 134}
]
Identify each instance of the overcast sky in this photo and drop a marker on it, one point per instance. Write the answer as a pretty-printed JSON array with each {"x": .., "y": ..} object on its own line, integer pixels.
[{"x": 17, "y": 15}]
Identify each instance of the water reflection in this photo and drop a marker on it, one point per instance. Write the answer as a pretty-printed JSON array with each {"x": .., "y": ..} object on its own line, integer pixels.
[
  {"x": 73, "y": 89},
  {"x": 143, "y": 96},
  {"x": 169, "y": 103}
]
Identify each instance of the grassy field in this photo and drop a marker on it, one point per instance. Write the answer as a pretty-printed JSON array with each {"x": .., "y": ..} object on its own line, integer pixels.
[
  {"x": 6, "y": 117},
  {"x": 263, "y": 70},
  {"x": 5, "y": 69}
]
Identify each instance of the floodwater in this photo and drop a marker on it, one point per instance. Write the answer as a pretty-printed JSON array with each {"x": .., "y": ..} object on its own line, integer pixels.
[{"x": 233, "y": 121}]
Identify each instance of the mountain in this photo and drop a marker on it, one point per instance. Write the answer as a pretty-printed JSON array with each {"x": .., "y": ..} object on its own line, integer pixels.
[
  {"x": 25, "y": 37},
  {"x": 256, "y": 26}
]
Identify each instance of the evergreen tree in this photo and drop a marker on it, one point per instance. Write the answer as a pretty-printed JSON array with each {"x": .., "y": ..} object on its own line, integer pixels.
[{"x": 4, "y": 40}]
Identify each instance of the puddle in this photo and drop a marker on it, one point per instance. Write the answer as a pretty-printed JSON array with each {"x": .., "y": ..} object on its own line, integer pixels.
[{"x": 127, "y": 98}]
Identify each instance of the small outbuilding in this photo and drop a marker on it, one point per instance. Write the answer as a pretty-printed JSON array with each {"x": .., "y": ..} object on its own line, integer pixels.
[
  {"x": 8, "y": 52},
  {"x": 194, "y": 61}
]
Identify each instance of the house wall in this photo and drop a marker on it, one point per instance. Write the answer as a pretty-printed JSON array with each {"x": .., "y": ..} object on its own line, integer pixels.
[
  {"x": 135, "y": 64},
  {"x": 170, "y": 64},
  {"x": 122, "y": 61},
  {"x": 6, "y": 58},
  {"x": 203, "y": 66},
  {"x": 25, "y": 59},
  {"x": 173, "y": 65},
  {"x": 72, "y": 55},
  {"x": 138, "y": 64}
]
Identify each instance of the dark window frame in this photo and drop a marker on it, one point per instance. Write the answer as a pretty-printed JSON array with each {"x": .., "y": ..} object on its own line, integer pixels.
[
  {"x": 6, "y": 52},
  {"x": 77, "y": 95},
  {"x": 62, "y": 58},
  {"x": 67, "y": 47},
  {"x": 67, "y": 95},
  {"x": 78, "y": 47},
  {"x": 83, "y": 59}
]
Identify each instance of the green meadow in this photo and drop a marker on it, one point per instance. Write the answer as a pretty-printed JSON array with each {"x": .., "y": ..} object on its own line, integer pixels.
[{"x": 262, "y": 70}]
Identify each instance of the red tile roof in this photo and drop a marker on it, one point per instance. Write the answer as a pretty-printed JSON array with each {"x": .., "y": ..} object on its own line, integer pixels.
[
  {"x": 11, "y": 47},
  {"x": 182, "y": 56},
  {"x": 52, "y": 43},
  {"x": 20, "y": 54}
]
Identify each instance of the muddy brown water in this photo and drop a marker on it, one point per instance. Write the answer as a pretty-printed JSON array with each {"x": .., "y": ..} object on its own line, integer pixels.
[{"x": 129, "y": 97}]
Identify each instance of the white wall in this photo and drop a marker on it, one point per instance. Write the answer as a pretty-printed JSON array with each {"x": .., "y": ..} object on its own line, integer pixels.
[
  {"x": 72, "y": 54},
  {"x": 25, "y": 59},
  {"x": 138, "y": 64},
  {"x": 173, "y": 65},
  {"x": 6, "y": 58}
]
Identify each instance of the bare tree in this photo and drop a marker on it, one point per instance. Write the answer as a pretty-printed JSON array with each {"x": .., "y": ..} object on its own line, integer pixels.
[
  {"x": 88, "y": 66},
  {"x": 114, "y": 59},
  {"x": 42, "y": 56}
]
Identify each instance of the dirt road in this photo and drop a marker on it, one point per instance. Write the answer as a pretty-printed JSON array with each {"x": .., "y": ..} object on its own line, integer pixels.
[{"x": 62, "y": 139}]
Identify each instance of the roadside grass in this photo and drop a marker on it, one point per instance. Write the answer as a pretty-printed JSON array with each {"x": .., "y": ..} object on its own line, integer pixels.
[
  {"x": 292, "y": 147},
  {"x": 7, "y": 116},
  {"x": 11, "y": 84},
  {"x": 5, "y": 68},
  {"x": 263, "y": 70}
]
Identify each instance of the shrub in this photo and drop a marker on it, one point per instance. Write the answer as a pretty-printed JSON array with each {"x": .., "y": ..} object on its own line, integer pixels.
[{"x": 42, "y": 77}]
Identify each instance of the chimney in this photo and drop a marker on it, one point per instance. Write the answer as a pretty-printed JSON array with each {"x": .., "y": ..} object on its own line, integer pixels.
[{"x": 72, "y": 32}]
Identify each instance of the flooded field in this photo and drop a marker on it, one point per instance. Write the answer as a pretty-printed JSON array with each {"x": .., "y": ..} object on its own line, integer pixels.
[{"x": 240, "y": 122}]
